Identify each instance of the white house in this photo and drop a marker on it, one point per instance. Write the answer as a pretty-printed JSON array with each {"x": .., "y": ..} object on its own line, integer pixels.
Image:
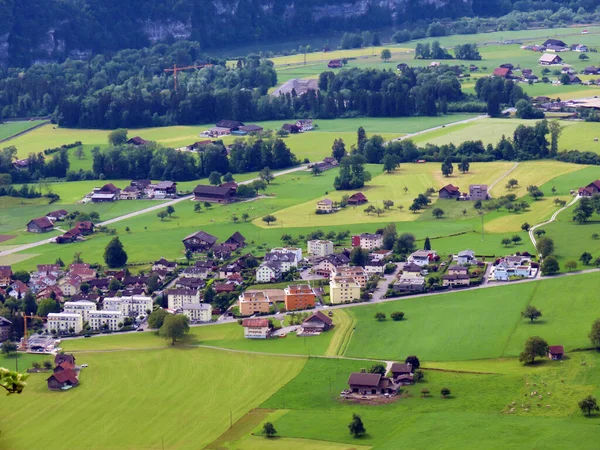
[
  {"x": 65, "y": 322},
  {"x": 422, "y": 257},
  {"x": 82, "y": 307},
  {"x": 196, "y": 272},
  {"x": 379, "y": 255},
  {"x": 134, "y": 305},
  {"x": 267, "y": 272},
  {"x": 277, "y": 252},
  {"x": 374, "y": 267},
  {"x": 367, "y": 241},
  {"x": 177, "y": 298},
  {"x": 466, "y": 257},
  {"x": 197, "y": 312},
  {"x": 319, "y": 247},
  {"x": 256, "y": 328},
  {"x": 97, "y": 319}
]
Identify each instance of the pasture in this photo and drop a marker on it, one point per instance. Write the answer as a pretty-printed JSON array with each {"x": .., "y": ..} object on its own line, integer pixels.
[
  {"x": 9, "y": 129},
  {"x": 139, "y": 399}
]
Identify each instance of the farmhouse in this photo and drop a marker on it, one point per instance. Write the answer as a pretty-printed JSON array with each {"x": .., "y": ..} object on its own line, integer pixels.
[
  {"x": 502, "y": 72},
  {"x": 556, "y": 352},
  {"x": 40, "y": 225},
  {"x": 297, "y": 86},
  {"x": 357, "y": 199},
  {"x": 137, "y": 141},
  {"x": 317, "y": 323},
  {"x": 200, "y": 241},
  {"x": 59, "y": 215},
  {"x": 236, "y": 241},
  {"x": 319, "y": 248},
  {"x": 594, "y": 186},
  {"x": 343, "y": 289},
  {"x": 197, "y": 312},
  {"x": 224, "y": 193},
  {"x": 130, "y": 193},
  {"x": 253, "y": 302},
  {"x": 256, "y": 328},
  {"x": 299, "y": 296},
  {"x": 85, "y": 227},
  {"x": 325, "y": 206},
  {"x": 335, "y": 64},
  {"x": 478, "y": 192},
  {"x": 591, "y": 70},
  {"x": 231, "y": 125},
  {"x": 371, "y": 384},
  {"x": 548, "y": 59},
  {"x": 60, "y": 380},
  {"x": 367, "y": 241},
  {"x": 449, "y": 191},
  {"x": 554, "y": 42},
  {"x": 246, "y": 129}
]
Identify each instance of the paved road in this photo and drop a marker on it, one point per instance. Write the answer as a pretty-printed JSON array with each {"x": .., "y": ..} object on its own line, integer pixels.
[
  {"x": 157, "y": 207},
  {"x": 409, "y": 136}
]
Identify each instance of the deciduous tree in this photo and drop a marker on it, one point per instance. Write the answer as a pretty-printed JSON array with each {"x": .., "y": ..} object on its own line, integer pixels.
[
  {"x": 531, "y": 313},
  {"x": 356, "y": 426},
  {"x": 534, "y": 346},
  {"x": 588, "y": 405},
  {"x": 174, "y": 327}
]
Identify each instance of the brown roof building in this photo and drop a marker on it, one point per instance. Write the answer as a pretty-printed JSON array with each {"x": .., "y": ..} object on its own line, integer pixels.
[
  {"x": 200, "y": 241},
  {"x": 224, "y": 193},
  {"x": 318, "y": 322},
  {"x": 59, "y": 380},
  {"x": 449, "y": 191},
  {"x": 357, "y": 199},
  {"x": 40, "y": 225}
]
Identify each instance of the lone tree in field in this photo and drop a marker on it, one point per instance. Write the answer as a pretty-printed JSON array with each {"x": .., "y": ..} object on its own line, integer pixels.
[
  {"x": 445, "y": 392},
  {"x": 516, "y": 239},
  {"x": 595, "y": 333},
  {"x": 506, "y": 242},
  {"x": 197, "y": 207},
  {"x": 413, "y": 361},
  {"x": 571, "y": 265},
  {"x": 424, "y": 392},
  {"x": 390, "y": 163},
  {"x": 531, "y": 313},
  {"x": 512, "y": 183},
  {"x": 269, "y": 430},
  {"x": 387, "y": 204},
  {"x": 269, "y": 218},
  {"x": 117, "y": 137},
  {"x": 356, "y": 427},
  {"x": 534, "y": 346},
  {"x": 386, "y": 54},
  {"x": 545, "y": 246},
  {"x": 380, "y": 316},
  {"x": 316, "y": 170},
  {"x": 170, "y": 210},
  {"x": 525, "y": 226},
  {"x": 161, "y": 215},
  {"x": 464, "y": 165},
  {"x": 114, "y": 254},
  {"x": 427, "y": 244},
  {"x": 447, "y": 167},
  {"x": 586, "y": 258},
  {"x": 266, "y": 175},
  {"x": 588, "y": 405},
  {"x": 174, "y": 327},
  {"x": 437, "y": 213}
]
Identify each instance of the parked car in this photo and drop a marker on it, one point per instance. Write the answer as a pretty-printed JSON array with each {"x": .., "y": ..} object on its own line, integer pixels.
[{"x": 83, "y": 366}]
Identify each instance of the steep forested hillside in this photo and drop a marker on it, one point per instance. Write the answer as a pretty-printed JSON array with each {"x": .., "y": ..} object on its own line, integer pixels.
[{"x": 42, "y": 30}]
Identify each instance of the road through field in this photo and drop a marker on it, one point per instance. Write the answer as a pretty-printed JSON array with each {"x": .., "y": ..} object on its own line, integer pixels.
[
  {"x": 24, "y": 247},
  {"x": 418, "y": 133}
]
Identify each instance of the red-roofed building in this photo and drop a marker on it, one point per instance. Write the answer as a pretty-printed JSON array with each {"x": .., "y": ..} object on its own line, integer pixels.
[
  {"x": 224, "y": 287},
  {"x": 449, "y": 191},
  {"x": 594, "y": 186},
  {"x": 556, "y": 352},
  {"x": 40, "y": 225},
  {"x": 357, "y": 199},
  {"x": 5, "y": 275},
  {"x": 503, "y": 72},
  {"x": 256, "y": 328},
  {"x": 59, "y": 380}
]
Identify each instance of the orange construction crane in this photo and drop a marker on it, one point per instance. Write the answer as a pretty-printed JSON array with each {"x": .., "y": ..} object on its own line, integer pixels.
[
  {"x": 25, "y": 327},
  {"x": 176, "y": 69}
]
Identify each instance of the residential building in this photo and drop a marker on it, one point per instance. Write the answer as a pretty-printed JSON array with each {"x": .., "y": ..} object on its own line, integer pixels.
[
  {"x": 130, "y": 193},
  {"x": 224, "y": 193},
  {"x": 163, "y": 189},
  {"x": 86, "y": 227},
  {"x": 379, "y": 255},
  {"x": 455, "y": 280},
  {"x": 409, "y": 284},
  {"x": 136, "y": 140},
  {"x": 319, "y": 247},
  {"x": 177, "y": 298},
  {"x": 65, "y": 322},
  {"x": 299, "y": 296},
  {"x": 343, "y": 289},
  {"x": 190, "y": 283},
  {"x": 268, "y": 272},
  {"x": 402, "y": 374},
  {"x": 70, "y": 285},
  {"x": 56, "y": 216},
  {"x": 199, "y": 273},
  {"x": 375, "y": 267},
  {"x": 502, "y": 72},
  {"x": 548, "y": 59},
  {"x": 200, "y": 241},
  {"x": 371, "y": 384},
  {"x": 297, "y": 251},
  {"x": 5, "y": 326},
  {"x": 253, "y": 302},
  {"x": 135, "y": 305},
  {"x": 478, "y": 192},
  {"x": 466, "y": 257},
  {"x": 5, "y": 275},
  {"x": 330, "y": 263},
  {"x": 62, "y": 379},
  {"x": 40, "y": 225},
  {"x": 317, "y": 323},
  {"x": 357, "y": 199},
  {"x": 107, "y": 193},
  {"x": 458, "y": 270},
  {"x": 256, "y": 328},
  {"x": 449, "y": 192},
  {"x": 106, "y": 319},
  {"x": 422, "y": 257},
  {"x": 163, "y": 264},
  {"x": 411, "y": 270},
  {"x": 358, "y": 273},
  {"x": 81, "y": 307},
  {"x": 17, "y": 287},
  {"x": 198, "y": 312},
  {"x": 367, "y": 241},
  {"x": 283, "y": 260},
  {"x": 325, "y": 206}
]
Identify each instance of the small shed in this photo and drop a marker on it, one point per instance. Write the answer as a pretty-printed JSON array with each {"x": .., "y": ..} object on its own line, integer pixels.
[{"x": 556, "y": 352}]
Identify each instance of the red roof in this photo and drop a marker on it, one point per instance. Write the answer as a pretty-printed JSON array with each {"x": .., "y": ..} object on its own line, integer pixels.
[
  {"x": 5, "y": 271},
  {"x": 224, "y": 287},
  {"x": 255, "y": 323},
  {"x": 556, "y": 350},
  {"x": 43, "y": 222},
  {"x": 359, "y": 196},
  {"x": 66, "y": 375},
  {"x": 595, "y": 183},
  {"x": 450, "y": 188},
  {"x": 501, "y": 72}
]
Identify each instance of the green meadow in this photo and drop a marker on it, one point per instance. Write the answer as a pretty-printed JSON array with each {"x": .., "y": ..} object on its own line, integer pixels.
[{"x": 8, "y": 129}]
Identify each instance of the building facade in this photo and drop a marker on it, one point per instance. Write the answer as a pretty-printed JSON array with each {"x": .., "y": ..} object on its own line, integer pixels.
[
  {"x": 343, "y": 289},
  {"x": 367, "y": 241},
  {"x": 253, "y": 302},
  {"x": 134, "y": 305},
  {"x": 177, "y": 298},
  {"x": 98, "y": 319},
  {"x": 198, "y": 312},
  {"x": 300, "y": 296},
  {"x": 319, "y": 248},
  {"x": 65, "y": 322},
  {"x": 82, "y": 307}
]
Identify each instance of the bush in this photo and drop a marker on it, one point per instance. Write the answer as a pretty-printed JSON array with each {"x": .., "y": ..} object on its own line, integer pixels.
[{"x": 397, "y": 316}]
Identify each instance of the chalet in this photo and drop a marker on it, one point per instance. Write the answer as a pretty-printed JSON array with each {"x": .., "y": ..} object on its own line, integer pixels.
[
  {"x": 231, "y": 125},
  {"x": 221, "y": 288},
  {"x": 591, "y": 70},
  {"x": 548, "y": 59},
  {"x": 411, "y": 270},
  {"x": 502, "y": 72},
  {"x": 449, "y": 191},
  {"x": 18, "y": 288},
  {"x": 574, "y": 79},
  {"x": 224, "y": 193},
  {"x": 130, "y": 193},
  {"x": 579, "y": 48},
  {"x": 137, "y": 141},
  {"x": 556, "y": 352},
  {"x": 554, "y": 43},
  {"x": 141, "y": 184},
  {"x": 57, "y": 216},
  {"x": 398, "y": 369},
  {"x": 40, "y": 225},
  {"x": 190, "y": 283},
  {"x": 371, "y": 384},
  {"x": 237, "y": 240},
  {"x": 585, "y": 192},
  {"x": 325, "y": 206},
  {"x": 60, "y": 380},
  {"x": 256, "y": 328},
  {"x": 335, "y": 64},
  {"x": 164, "y": 189},
  {"x": 70, "y": 236},
  {"x": 200, "y": 241},
  {"x": 317, "y": 323},
  {"x": 86, "y": 227},
  {"x": 107, "y": 193},
  {"x": 328, "y": 163},
  {"x": 357, "y": 199},
  {"x": 594, "y": 186},
  {"x": 478, "y": 192},
  {"x": 64, "y": 357},
  {"x": 5, "y": 275},
  {"x": 163, "y": 264}
]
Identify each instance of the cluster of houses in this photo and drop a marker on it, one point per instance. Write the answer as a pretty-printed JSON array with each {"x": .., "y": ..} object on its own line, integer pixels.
[
  {"x": 261, "y": 328},
  {"x": 556, "y": 46},
  {"x": 476, "y": 192},
  {"x": 137, "y": 189},
  {"x": 327, "y": 206},
  {"x": 513, "y": 267},
  {"x": 65, "y": 374},
  {"x": 48, "y": 222},
  {"x": 373, "y": 385},
  {"x": 231, "y": 127}
]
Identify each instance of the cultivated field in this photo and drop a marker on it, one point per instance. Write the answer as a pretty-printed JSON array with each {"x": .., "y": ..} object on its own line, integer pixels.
[{"x": 9, "y": 129}]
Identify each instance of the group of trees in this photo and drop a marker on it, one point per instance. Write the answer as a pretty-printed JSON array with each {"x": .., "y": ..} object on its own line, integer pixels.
[
  {"x": 169, "y": 326},
  {"x": 38, "y": 166},
  {"x": 585, "y": 208},
  {"x": 434, "y": 50}
]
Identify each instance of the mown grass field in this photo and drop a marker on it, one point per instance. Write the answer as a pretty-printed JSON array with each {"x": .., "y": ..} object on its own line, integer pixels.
[
  {"x": 476, "y": 324},
  {"x": 175, "y": 398},
  {"x": 8, "y": 129}
]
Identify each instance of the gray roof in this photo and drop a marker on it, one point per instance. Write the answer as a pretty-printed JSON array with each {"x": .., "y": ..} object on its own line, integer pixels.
[
  {"x": 196, "y": 306},
  {"x": 466, "y": 253},
  {"x": 202, "y": 235}
]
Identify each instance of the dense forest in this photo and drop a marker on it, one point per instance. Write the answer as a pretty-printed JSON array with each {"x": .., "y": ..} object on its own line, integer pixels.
[{"x": 52, "y": 30}]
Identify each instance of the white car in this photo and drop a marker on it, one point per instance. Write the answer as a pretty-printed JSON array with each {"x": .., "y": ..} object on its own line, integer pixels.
[{"x": 83, "y": 366}]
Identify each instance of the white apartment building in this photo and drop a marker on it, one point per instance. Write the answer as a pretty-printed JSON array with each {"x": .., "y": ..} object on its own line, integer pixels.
[
  {"x": 96, "y": 319},
  {"x": 82, "y": 307},
  {"x": 319, "y": 247},
  {"x": 343, "y": 289},
  {"x": 367, "y": 241},
  {"x": 135, "y": 305},
  {"x": 64, "y": 322},
  {"x": 198, "y": 312},
  {"x": 297, "y": 251},
  {"x": 177, "y": 298}
]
